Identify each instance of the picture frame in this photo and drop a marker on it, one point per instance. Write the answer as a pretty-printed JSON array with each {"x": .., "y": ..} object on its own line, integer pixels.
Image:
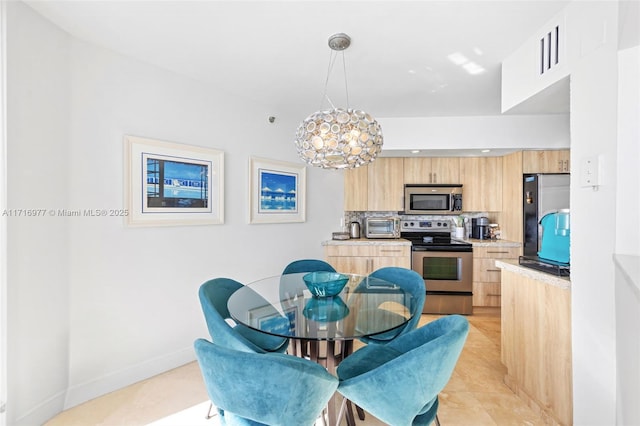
[
  {"x": 277, "y": 191},
  {"x": 172, "y": 184},
  {"x": 266, "y": 318}
]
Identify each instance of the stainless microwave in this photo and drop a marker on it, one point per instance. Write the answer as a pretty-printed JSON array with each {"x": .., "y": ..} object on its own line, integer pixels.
[
  {"x": 432, "y": 199},
  {"x": 382, "y": 227}
]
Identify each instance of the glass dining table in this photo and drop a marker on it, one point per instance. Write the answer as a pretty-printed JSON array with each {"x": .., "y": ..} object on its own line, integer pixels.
[{"x": 322, "y": 329}]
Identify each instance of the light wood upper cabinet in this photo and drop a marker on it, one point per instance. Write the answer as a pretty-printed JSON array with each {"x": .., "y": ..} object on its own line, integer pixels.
[
  {"x": 441, "y": 170},
  {"x": 356, "y": 186},
  {"x": 386, "y": 184},
  {"x": 376, "y": 187},
  {"x": 511, "y": 219},
  {"x": 481, "y": 179},
  {"x": 547, "y": 161}
]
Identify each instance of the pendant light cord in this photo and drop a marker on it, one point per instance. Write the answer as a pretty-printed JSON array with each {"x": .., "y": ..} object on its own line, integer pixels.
[{"x": 332, "y": 60}]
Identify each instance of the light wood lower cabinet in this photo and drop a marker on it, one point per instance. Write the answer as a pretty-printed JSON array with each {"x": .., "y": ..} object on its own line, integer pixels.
[
  {"x": 536, "y": 345},
  {"x": 364, "y": 259},
  {"x": 486, "y": 276}
]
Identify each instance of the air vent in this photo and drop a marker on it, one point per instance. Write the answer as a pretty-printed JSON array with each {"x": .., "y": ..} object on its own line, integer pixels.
[{"x": 550, "y": 50}]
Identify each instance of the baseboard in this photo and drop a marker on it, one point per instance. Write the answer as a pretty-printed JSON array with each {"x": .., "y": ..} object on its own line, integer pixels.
[
  {"x": 42, "y": 412},
  {"x": 92, "y": 389}
]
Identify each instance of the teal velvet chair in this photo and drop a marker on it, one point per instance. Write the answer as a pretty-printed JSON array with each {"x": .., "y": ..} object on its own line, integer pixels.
[
  {"x": 411, "y": 282},
  {"x": 307, "y": 265},
  {"x": 263, "y": 389},
  {"x": 214, "y": 295},
  {"x": 399, "y": 382}
]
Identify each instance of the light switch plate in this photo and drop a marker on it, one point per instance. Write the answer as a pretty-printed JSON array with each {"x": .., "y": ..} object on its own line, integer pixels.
[{"x": 589, "y": 172}]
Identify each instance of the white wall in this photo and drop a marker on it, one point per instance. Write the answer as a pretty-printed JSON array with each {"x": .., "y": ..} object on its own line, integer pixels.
[
  {"x": 96, "y": 305},
  {"x": 593, "y": 134},
  {"x": 37, "y": 247},
  {"x": 627, "y": 279},
  {"x": 477, "y": 132},
  {"x": 628, "y": 158}
]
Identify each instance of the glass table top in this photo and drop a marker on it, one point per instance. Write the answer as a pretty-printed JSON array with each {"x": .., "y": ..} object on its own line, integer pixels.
[{"x": 283, "y": 306}]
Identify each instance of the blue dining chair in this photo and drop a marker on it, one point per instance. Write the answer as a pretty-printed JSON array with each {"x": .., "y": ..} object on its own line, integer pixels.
[
  {"x": 412, "y": 283},
  {"x": 214, "y": 295},
  {"x": 263, "y": 389},
  {"x": 399, "y": 382},
  {"x": 307, "y": 265}
]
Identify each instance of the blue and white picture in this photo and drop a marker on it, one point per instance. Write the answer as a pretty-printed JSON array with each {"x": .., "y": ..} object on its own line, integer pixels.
[
  {"x": 172, "y": 184},
  {"x": 177, "y": 184},
  {"x": 278, "y": 191}
]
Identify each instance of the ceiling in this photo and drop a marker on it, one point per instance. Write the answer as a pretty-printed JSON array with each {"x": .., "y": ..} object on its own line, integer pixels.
[{"x": 407, "y": 58}]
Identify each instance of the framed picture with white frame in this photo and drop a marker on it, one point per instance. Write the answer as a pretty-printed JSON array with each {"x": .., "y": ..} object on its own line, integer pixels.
[
  {"x": 172, "y": 184},
  {"x": 276, "y": 191}
]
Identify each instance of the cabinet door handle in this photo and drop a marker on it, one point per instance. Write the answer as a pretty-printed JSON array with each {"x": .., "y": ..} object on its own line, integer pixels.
[
  {"x": 435, "y": 177},
  {"x": 430, "y": 177},
  {"x": 493, "y": 270},
  {"x": 497, "y": 252},
  {"x": 559, "y": 165},
  {"x": 391, "y": 250},
  {"x": 566, "y": 165}
]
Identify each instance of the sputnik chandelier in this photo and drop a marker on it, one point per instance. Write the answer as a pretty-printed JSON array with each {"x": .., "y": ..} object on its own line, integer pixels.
[{"x": 338, "y": 138}]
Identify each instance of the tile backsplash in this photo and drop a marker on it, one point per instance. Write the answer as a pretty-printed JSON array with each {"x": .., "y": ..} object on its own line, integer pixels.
[{"x": 355, "y": 216}]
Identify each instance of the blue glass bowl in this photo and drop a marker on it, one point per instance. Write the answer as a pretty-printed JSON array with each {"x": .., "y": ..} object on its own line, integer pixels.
[
  {"x": 325, "y": 309},
  {"x": 325, "y": 284}
]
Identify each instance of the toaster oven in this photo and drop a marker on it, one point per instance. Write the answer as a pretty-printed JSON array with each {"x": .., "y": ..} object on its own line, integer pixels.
[{"x": 382, "y": 227}]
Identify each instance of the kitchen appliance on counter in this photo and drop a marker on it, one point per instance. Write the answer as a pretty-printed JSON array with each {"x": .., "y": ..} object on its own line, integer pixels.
[
  {"x": 354, "y": 229},
  {"x": 555, "y": 237},
  {"x": 480, "y": 228},
  {"x": 445, "y": 264},
  {"x": 543, "y": 193},
  {"x": 432, "y": 199},
  {"x": 382, "y": 227}
]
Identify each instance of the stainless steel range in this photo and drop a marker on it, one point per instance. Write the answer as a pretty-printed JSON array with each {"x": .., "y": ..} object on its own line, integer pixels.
[{"x": 446, "y": 264}]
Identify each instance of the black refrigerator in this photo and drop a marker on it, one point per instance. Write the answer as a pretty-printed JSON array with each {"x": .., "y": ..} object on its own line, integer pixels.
[{"x": 542, "y": 193}]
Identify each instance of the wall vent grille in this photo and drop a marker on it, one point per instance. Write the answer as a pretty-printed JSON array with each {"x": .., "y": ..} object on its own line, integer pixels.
[{"x": 550, "y": 50}]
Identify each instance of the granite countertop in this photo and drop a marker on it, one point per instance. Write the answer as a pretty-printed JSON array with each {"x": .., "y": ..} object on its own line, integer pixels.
[
  {"x": 554, "y": 280},
  {"x": 369, "y": 242}
]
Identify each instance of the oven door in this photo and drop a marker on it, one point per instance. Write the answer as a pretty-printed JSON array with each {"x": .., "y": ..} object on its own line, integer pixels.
[{"x": 444, "y": 270}]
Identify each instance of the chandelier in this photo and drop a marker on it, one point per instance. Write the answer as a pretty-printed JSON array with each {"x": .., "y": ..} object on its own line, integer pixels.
[{"x": 338, "y": 138}]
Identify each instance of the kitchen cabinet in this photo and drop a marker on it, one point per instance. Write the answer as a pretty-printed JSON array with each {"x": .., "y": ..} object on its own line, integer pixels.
[
  {"x": 356, "y": 183},
  {"x": 367, "y": 257},
  {"x": 481, "y": 179},
  {"x": 536, "y": 341},
  {"x": 440, "y": 170},
  {"x": 486, "y": 276},
  {"x": 546, "y": 161},
  {"x": 511, "y": 218},
  {"x": 376, "y": 187}
]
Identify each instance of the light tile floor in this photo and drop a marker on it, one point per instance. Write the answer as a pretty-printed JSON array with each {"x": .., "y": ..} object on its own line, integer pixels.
[{"x": 475, "y": 395}]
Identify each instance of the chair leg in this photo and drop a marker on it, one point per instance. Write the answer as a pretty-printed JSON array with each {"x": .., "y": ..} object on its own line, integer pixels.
[
  {"x": 437, "y": 421},
  {"x": 360, "y": 412},
  {"x": 209, "y": 415}
]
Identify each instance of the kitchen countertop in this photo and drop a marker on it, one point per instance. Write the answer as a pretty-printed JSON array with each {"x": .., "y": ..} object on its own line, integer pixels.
[
  {"x": 554, "y": 280},
  {"x": 369, "y": 242},
  {"x": 492, "y": 243}
]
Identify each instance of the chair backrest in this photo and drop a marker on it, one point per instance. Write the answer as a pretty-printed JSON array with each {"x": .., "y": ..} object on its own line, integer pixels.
[
  {"x": 412, "y": 283},
  {"x": 307, "y": 265},
  {"x": 214, "y": 295},
  {"x": 411, "y": 370},
  {"x": 272, "y": 388}
]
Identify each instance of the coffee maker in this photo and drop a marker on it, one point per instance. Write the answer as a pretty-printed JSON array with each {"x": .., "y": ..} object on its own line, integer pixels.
[{"x": 480, "y": 228}]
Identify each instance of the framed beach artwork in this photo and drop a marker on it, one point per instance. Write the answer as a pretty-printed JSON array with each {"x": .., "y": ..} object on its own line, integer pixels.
[
  {"x": 171, "y": 184},
  {"x": 276, "y": 191}
]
